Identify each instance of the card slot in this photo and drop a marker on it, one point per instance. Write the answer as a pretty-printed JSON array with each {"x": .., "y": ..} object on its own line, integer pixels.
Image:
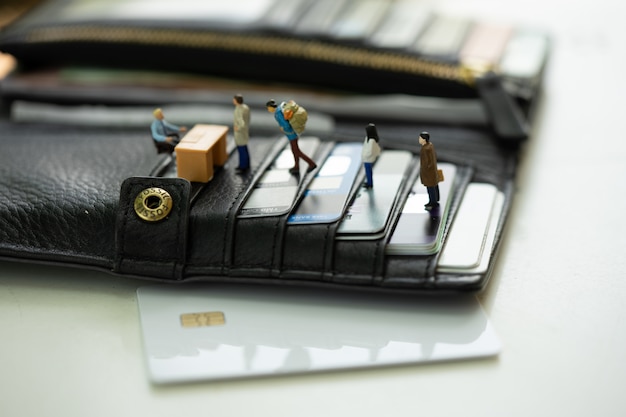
[
  {"x": 476, "y": 279},
  {"x": 419, "y": 231},
  {"x": 258, "y": 242},
  {"x": 307, "y": 250},
  {"x": 362, "y": 261},
  {"x": 238, "y": 204},
  {"x": 468, "y": 237},
  {"x": 255, "y": 246},
  {"x": 369, "y": 213},
  {"x": 215, "y": 208},
  {"x": 420, "y": 270}
]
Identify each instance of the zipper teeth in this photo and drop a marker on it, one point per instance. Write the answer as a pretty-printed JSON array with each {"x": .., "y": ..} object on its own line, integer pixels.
[{"x": 260, "y": 44}]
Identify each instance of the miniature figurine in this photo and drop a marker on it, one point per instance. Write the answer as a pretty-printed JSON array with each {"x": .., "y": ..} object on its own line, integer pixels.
[
  {"x": 370, "y": 152},
  {"x": 166, "y": 135},
  {"x": 241, "y": 127},
  {"x": 428, "y": 170},
  {"x": 291, "y": 133}
]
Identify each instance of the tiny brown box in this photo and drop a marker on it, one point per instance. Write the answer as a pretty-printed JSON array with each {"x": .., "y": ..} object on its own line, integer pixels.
[{"x": 203, "y": 147}]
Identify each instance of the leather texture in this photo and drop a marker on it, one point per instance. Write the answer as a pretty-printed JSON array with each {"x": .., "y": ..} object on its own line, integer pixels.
[
  {"x": 59, "y": 190},
  {"x": 66, "y": 196}
]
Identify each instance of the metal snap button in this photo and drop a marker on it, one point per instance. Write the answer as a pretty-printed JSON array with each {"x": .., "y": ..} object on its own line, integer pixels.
[{"x": 153, "y": 204}]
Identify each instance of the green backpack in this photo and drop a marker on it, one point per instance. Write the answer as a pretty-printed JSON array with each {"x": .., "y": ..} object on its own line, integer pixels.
[{"x": 296, "y": 115}]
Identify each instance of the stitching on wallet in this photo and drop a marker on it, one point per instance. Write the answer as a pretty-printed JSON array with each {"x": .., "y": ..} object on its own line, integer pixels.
[{"x": 274, "y": 242}]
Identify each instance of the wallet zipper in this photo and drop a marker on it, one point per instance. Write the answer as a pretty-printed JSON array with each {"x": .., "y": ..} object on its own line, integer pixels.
[
  {"x": 505, "y": 115},
  {"x": 272, "y": 45}
]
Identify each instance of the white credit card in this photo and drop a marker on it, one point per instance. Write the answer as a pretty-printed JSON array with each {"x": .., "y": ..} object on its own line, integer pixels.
[
  {"x": 444, "y": 36},
  {"x": 201, "y": 332},
  {"x": 469, "y": 242},
  {"x": 368, "y": 215},
  {"x": 359, "y": 19},
  {"x": 524, "y": 55},
  {"x": 403, "y": 23}
]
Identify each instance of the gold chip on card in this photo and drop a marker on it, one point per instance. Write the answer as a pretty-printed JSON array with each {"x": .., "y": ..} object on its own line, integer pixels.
[{"x": 212, "y": 318}]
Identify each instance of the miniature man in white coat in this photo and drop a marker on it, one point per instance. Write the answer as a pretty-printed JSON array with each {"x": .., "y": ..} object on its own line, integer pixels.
[{"x": 241, "y": 125}]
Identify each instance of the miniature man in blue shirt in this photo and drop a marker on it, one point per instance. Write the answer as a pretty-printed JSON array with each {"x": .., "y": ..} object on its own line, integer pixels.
[
  {"x": 291, "y": 134},
  {"x": 165, "y": 134}
]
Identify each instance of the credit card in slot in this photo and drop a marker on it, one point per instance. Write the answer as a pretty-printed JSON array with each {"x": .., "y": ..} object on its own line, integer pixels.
[
  {"x": 485, "y": 44},
  {"x": 319, "y": 17},
  {"x": 275, "y": 192},
  {"x": 286, "y": 15},
  {"x": 470, "y": 240},
  {"x": 443, "y": 37},
  {"x": 525, "y": 55},
  {"x": 359, "y": 19},
  {"x": 404, "y": 21},
  {"x": 326, "y": 198},
  {"x": 369, "y": 213},
  {"x": 485, "y": 257},
  {"x": 468, "y": 230},
  {"x": 419, "y": 231}
]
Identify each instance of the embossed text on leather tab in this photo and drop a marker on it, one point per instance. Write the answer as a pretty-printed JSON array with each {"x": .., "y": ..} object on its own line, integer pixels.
[{"x": 153, "y": 204}]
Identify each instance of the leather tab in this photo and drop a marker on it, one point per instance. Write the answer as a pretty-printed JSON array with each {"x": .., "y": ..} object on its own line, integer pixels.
[
  {"x": 505, "y": 115},
  {"x": 151, "y": 227}
]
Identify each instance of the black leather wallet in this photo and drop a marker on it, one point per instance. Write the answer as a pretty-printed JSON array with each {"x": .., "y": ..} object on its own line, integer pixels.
[
  {"x": 67, "y": 196},
  {"x": 68, "y": 193}
]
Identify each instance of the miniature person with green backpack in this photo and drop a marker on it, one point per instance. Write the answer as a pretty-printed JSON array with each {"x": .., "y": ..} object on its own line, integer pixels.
[{"x": 284, "y": 113}]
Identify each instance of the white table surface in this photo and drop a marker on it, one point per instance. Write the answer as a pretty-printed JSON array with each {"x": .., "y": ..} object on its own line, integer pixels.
[{"x": 70, "y": 342}]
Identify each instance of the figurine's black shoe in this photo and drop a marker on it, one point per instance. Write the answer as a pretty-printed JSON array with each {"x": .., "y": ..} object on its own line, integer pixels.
[
  {"x": 240, "y": 170},
  {"x": 294, "y": 170},
  {"x": 311, "y": 168}
]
